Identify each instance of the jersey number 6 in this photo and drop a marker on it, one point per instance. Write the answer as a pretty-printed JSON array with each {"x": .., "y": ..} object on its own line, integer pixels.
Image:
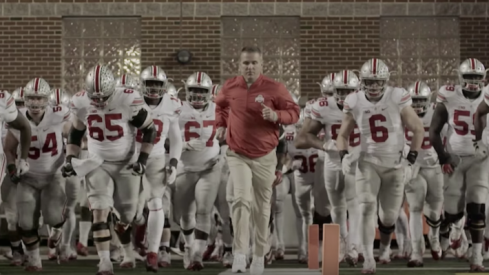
[{"x": 379, "y": 133}]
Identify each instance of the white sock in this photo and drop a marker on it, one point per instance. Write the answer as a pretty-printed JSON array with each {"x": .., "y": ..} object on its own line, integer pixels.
[
  {"x": 84, "y": 231},
  {"x": 128, "y": 248},
  {"x": 104, "y": 255},
  {"x": 69, "y": 228},
  {"x": 165, "y": 244},
  {"x": 189, "y": 239},
  {"x": 200, "y": 246},
  {"x": 33, "y": 253},
  {"x": 416, "y": 228},
  {"x": 156, "y": 220},
  {"x": 477, "y": 248}
]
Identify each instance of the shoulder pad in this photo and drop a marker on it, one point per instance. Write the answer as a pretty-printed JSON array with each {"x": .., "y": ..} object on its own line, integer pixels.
[
  {"x": 399, "y": 95},
  {"x": 446, "y": 91},
  {"x": 60, "y": 113},
  {"x": 79, "y": 100},
  {"x": 350, "y": 101},
  {"x": 130, "y": 97},
  {"x": 6, "y": 99}
]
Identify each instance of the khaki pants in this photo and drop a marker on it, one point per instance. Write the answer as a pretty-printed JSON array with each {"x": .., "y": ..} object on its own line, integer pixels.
[{"x": 252, "y": 181}]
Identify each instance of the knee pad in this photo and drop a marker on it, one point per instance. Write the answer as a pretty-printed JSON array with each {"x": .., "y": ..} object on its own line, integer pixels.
[
  {"x": 432, "y": 223},
  {"x": 155, "y": 204},
  {"x": 386, "y": 229},
  {"x": 32, "y": 233},
  {"x": 320, "y": 220},
  {"x": 452, "y": 218},
  {"x": 167, "y": 223},
  {"x": 101, "y": 232},
  {"x": 476, "y": 217}
]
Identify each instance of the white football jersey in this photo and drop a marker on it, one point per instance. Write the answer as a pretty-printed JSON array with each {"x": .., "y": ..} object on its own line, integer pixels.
[
  {"x": 328, "y": 113},
  {"x": 165, "y": 113},
  {"x": 380, "y": 124},
  {"x": 46, "y": 154},
  {"x": 111, "y": 136},
  {"x": 461, "y": 111},
  {"x": 196, "y": 124},
  {"x": 8, "y": 113},
  {"x": 485, "y": 133},
  {"x": 307, "y": 156},
  {"x": 307, "y": 114},
  {"x": 427, "y": 156}
]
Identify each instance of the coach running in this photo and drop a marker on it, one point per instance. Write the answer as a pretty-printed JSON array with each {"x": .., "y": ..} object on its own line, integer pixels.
[{"x": 252, "y": 107}]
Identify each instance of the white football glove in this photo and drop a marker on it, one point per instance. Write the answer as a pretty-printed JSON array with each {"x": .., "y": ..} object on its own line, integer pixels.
[
  {"x": 296, "y": 164},
  {"x": 23, "y": 167},
  {"x": 171, "y": 174},
  {"x": 330, "y": 145},
  {"x": 346, "y": 163},
  {"x": 481, "y": 150},
  {"x": 194, "y": 145}
]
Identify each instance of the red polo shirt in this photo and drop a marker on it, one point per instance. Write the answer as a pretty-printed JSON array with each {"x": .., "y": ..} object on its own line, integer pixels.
[{"x": 239, "y": 109}]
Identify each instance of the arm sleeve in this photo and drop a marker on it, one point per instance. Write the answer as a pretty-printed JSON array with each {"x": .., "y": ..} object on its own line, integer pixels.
[
  {"x": 175, "y": 139},
  {"x": 287, "y": 110}
]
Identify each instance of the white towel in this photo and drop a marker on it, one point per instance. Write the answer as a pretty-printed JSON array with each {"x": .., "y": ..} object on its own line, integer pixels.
[{"x": 84, "y": 166}]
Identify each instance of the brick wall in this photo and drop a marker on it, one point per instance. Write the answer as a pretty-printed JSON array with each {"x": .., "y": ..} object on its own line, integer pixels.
[
  {"x": 334, "y": 35},
  {"x": 162, "y": 37},
  {"x": 332, "y": 44},
  {"x": 474, "y": 39},
  {"x": 29, "y": 47}
]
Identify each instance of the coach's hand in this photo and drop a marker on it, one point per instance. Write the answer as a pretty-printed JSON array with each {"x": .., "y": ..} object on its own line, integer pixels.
[
  {"x": 221, "y": 133},
  {"x": 269, "y": 114},
  {"x": 12, "y": 172}
]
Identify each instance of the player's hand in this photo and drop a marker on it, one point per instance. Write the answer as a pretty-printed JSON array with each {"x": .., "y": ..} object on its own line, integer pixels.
[
  {"x": 269, "y": 114},
  {"x": 194, "y": 145},
  {"x": 221, "y": 133},
  {"x": 449, "y": 163},
  {"x": 481, "y": 150},
  {"x": 67, "y": 168},
  {"x": 296, "y": 164},
  {"x": 171, "y": 174},
  {"x": 278, "y": 178},
  {"x": 330, "y": 145},
  {"x": 12, "y": 172},
  {"x": 23, "y": 167},
  {"x": 137, "y": 168},
  {"x": 346, "y": 162}
]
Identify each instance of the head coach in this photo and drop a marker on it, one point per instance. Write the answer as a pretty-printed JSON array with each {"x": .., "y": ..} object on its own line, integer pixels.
[{"x": 251, "y": 107}]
